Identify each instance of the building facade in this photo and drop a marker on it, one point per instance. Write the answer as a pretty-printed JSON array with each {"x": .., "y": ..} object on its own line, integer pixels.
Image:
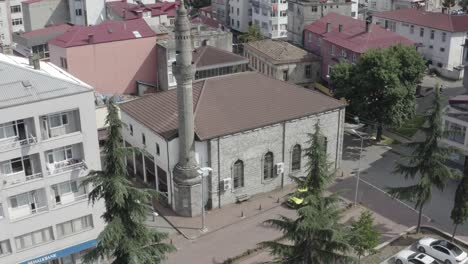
[
  {"x": 87, "y": 12},
  {"x": 283, "y": 61},
  {"x": 439, "y": 37},
  {"x": 48, "y": 143},
  {"x": 90, "y": 53},
  {"x": 40, "y": 14},
  {"x": 271, "y": 17},
  {"x": 389, "y": 5},
  {"x": 302, "y": 13},
  {"x": 247, "y": 156},
  {"x": 220, "y": 10},
  {"x": 11, "y": 20},
  {"x": 240, "y": 15}
]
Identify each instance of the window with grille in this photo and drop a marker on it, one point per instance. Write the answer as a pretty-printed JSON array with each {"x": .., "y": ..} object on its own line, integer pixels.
[
  {"x": 296, "y": 158},
  {"x": 268, "y": 166},
  {"x": 238, "y": 174},
  {"x": 74, "y": 226}
]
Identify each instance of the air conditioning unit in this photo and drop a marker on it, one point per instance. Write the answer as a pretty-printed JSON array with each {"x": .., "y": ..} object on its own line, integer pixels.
[
  {"x": 225, "y": 184},
  {"x": 279, "y": 168}
]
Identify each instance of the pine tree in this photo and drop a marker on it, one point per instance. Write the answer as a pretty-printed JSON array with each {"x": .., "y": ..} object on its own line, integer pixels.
[
  {"x": 364, "y": 235},
  {"x": 252, "y": 34},
  {"x": 427, "y": 162},
  {"x": 315, "y": 237},
  {"x": 125, "y": 239},
  {"x": 459, "y": 213}
]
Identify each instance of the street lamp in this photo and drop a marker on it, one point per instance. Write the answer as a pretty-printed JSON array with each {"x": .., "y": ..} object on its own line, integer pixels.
[
  {"x": 203, "y": 173},
  {"x": 359, "y": 165}
]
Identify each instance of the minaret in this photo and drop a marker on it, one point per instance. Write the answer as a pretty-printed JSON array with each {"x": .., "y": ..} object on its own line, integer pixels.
[{"x": 187, "y": 189}]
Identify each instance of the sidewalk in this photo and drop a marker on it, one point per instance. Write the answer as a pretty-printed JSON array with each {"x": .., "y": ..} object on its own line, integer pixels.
[{"x": 216, "y": 219}]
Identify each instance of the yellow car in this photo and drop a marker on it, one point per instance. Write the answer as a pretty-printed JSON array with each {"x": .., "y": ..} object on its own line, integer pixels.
[{"x": 295, "y": 201}]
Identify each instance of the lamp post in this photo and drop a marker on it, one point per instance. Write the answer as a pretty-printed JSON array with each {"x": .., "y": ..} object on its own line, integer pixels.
[
  {"x": 203, "y": 173},
  {"x": 359, "y": 165}
]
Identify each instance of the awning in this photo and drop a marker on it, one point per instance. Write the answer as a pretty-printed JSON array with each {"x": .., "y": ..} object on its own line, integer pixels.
[{"x": 61, "y": 253}]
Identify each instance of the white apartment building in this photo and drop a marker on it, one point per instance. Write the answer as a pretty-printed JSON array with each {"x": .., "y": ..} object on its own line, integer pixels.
[
  {"x": 11, "y": 19},
  {"x": 48, "y": 143},
  {"x": 439, "y": 37},
  {"x": 87, "y": 12},
  {"x": 271, "y": 17},
  {"x": 389, "y": 5},
  {"x": 240, "y": 15}
]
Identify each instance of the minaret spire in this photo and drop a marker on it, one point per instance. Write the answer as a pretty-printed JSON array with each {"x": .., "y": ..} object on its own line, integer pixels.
[{"x": 187, "y": 195}]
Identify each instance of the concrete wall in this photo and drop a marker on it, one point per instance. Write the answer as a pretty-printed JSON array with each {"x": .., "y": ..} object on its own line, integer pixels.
[
  {"x": 45, "y": 13},
  {"x": 276, "y": 25},
  {"x": 251, "y": 146},
  {"x": 221, "y": 10},
  {"x": 93, "y": 12},
  {"x": 113, "y": 67},
  {"x": 87, "y": 140},
  {"x": 5, "y": 26},
  {"x": 243, "y": 18}
]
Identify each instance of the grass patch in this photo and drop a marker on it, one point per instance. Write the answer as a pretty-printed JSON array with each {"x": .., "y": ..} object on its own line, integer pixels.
[
  {"x": 386, "y": 140},
  {"x": 410, "y": 127}
]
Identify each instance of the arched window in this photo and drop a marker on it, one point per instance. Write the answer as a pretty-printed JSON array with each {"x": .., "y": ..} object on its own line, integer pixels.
[
  {"x": 238, "y": 174},
  {"x": 296, "y": 158},
  {"x": 268, "y": 166},
  {"x": 325, "y": 144}
]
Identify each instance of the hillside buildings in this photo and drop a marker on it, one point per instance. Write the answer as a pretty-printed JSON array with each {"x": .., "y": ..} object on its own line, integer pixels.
[
  {"x": 439, "y": 37},
  {"x": 48, "y": 143}
]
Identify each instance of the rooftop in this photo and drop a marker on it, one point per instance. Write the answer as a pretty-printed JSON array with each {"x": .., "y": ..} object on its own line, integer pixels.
[
  {"x": 353, "y": 35},
  {"x": 50, "y": 30},
  {"x": 21, "y": 83},
  {"x": 441, "y": 21},
  {"x": 279, "y": 52},
  {"x": 221, "y": 104},
  {"x": 201, "y": 19},
  {"x": 206, "y": 56},
  {"x": 107, "y": 31},
  {"x": 129, "y": 11}
]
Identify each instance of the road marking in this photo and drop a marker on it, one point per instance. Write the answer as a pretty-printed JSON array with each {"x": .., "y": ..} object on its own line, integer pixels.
[{"x": 400, "y": 201}]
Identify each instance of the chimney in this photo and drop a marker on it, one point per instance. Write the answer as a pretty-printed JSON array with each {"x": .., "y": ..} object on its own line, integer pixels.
[
  {"x": 368, "y": 22},
  {"x": 328, "y": 27},
  {"x": 90, "y": 38},
  {"x": 31, "y": 60},
  {"x": 340, "y": 28},
  {"x": 36, "y": 62}
]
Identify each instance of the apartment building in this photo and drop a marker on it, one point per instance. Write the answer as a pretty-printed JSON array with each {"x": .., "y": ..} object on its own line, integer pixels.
[
  {"x": 48, "y": 143},
  {"x": 220, "y": 10},
  {"x": 271, "y": 17},
  {"x": 439, "y": 37},
  {"x": 11, "y": 20},
  {"x": 87, "y": 12},
  {"x": 389, "y": 5},
  {"x": 240, "y": 15}
]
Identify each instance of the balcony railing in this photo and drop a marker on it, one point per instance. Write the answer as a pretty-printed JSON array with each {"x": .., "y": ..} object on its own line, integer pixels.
[
  {"x": 63, "y": 166},
  {"x": 16, "y": 143},
  {"x": 20, "y": 177},
  {"x": 25, "y": 211},
  {"x": 69, "y": 198}
]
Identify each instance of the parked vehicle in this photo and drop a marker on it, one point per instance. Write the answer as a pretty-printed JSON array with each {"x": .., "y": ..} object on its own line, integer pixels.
[
  {"x": 410, "y": 257},
  {"x": 442, "y": 250}
]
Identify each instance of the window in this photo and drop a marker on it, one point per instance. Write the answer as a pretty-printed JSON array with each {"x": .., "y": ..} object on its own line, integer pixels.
[
  {"x": 232, "y": 21},
  {"x": 5, "y": 247},
  {"x": 41, "y": 50},
  {"x": 264, "y": 11},
  {"x": 67, "y": 192},
  {"x": 238, "y": 174},
  {"x": 283, "y": 26},
  {"x": 344, "y": 54},
  {"x": 232, "y": 10},
  {"x": 411, "y": 29},
  {"x": 58, "y": 120},
  {"x": 256, "y": 10},
  {"x": 457, "y": 132},
  {"x": 333, "y": 50},
  {"x": 421, "y": 32},
  {"x": 1, "y": 216},
  {"x": 14, "y": 166},
  {"x": 296, "y": 157},
  {"x": 238, "y": 11},
  {"x": 285, "y": 75},
  {"x": 8, "y": 130},
  {"x": 441, "y": 249},
  {"x": 354, "y": 58},
  {"x": 74, "y": 226},
  {"x": 15, "y": 9},
  {"x": 143, "y": 139},
  {"x": 268, "y": 166},
  {"x": 131, "y": 129},
  {"x": 158, "y": 151},
  {"x": 17, "y": 21},
  {"x": 442, "y": 49},
  {"x": 444, "y": 36},
  {"x": 34, "y": 238},
  {"x": 431, "y": 47},
  {"x": 432, "y": 34},
  {"x": 78, "y": 12},
  {"x": 63, "y": 63},
  {"x": 60, "y": 154},
  {"x": 283, "y": 13},
  {"x": 308, "y": 71},
  {"x": 309, "y": 37},
  {"x": 264, "y": 25}
]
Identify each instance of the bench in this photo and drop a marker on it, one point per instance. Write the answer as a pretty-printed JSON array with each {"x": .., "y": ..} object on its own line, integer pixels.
[{"x": 242, "y": 198}]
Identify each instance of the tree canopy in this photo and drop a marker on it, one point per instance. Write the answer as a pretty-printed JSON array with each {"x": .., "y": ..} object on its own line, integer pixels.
[
  {"x": 364, "y": 235},
  {"x": 464, "y": 5},
  {"x": 252, "y": 34},
  {"x": 381, "y": 86}
]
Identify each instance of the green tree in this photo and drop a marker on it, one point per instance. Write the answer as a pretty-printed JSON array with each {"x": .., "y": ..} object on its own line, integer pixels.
[
  {"x": 318, "y": 168},
  {"x": 125, "y": 239},
  {"x": 459, "y": 213},
  {"x": 427, "y": 163},
  {"x": 448, "y": 4},
  {"x": 464, "y": 5},
  {"x": 252, "y": 34},
  {"x": 364, "y": 235},
  {"x": 315, "y": 237},
  {"x": 381, "y": 86}
]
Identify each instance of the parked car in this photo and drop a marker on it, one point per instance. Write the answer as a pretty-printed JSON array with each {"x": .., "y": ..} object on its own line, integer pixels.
[
  {"x": 410, "y": 257},
  {"x": 442, "y": 250},
  {"x": 294, "y": 201}
]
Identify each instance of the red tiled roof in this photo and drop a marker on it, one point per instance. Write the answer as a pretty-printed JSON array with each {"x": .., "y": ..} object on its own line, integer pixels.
[
  {"x": 206, "y": 8},
  {"x": 209, "y": 56},
  {"x": 208, "y": 21},
  {"x": 129, "y": 11},
  {"x": 62, "y": 28},
  {"x": 221, "y": 105},
  {"x": 107, "y": 31},
  {"x": 446, "y": 22},
  {"x": 353, "y": 35}
]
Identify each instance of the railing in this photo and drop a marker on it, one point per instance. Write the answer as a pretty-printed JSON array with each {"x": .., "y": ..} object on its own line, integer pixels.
[
  {"x": 64, "y": 200},
  {"x": 25, "y": 212},
  {"x": 64, "y": 166},
  {"x": 15, "y": 143},
  {"x": 20, "y": 177}
]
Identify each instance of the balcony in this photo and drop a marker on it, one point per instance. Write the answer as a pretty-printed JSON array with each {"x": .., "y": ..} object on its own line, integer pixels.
[
  {"x": 16, "y": 134},
  {"x": 64, "y": 159},
  {"x": 27, "y": 204},
  {"x": 68, "y": 192},
  {"x": 64, "y": 166},
  {"x": 59, "y": 124},
  {"x": 20, "y": 170}
]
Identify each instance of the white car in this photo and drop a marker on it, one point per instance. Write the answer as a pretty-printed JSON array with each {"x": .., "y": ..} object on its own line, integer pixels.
[
  {"x": 410, "y": 257},
  {"x": 442, "y": 250}
]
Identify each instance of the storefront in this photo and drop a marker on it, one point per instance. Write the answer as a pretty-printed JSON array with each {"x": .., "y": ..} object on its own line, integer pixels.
[{"x": 70, "y": 255}]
